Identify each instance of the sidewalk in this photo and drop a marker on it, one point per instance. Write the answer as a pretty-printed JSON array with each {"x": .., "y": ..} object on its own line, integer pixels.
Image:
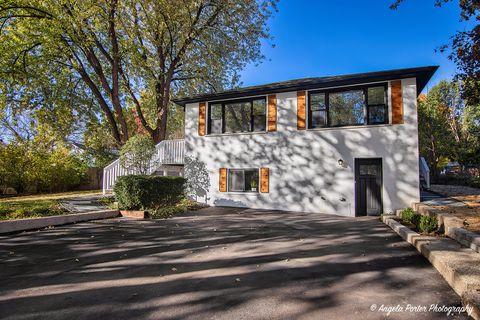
[{"x": 83, "y": 204}]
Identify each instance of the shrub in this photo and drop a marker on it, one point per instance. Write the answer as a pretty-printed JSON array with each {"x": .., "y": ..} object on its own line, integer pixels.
[
  {"x": 410, "y": 216},
  {"x": 407, "y": 214},
  {"x": 137, "y": 153},
  {"x": 416, "y": 219},
  {"x": 428, "y": 224},
  {"x": 139, "y": 192}
]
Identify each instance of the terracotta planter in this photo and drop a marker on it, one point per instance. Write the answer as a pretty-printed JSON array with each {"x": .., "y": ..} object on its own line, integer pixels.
[{"x": 135, "y": 214}]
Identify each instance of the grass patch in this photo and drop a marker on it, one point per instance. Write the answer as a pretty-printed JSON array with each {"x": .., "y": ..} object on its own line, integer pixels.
[
  {"x": 109, "y": 202},
  {"x": 182, "y": 206},
  {"x": 12, "y": 210},
  {"x": 50, "y": 196}
]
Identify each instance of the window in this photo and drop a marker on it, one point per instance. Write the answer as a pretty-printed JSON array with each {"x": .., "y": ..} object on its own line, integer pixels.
[
  {"x": 376, "y": 105},
  {"x": 368, "y": 169},
  {"x": 259, "y": 115},
  {"x": 237, "y": 116},
  {"x": 216, "y": 118},
  {"x": 349, "y": 107},
  {"x": 243, "y": 180},
  {"x": 318, "y": 110},
  {"x": 346, "y": 108}
]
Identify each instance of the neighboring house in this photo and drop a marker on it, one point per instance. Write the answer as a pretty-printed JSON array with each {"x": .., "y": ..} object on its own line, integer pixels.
[{"x": 344, "y": 145}]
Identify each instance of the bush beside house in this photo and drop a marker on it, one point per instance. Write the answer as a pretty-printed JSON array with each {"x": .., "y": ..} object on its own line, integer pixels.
[{"x": 141, "y": 192}]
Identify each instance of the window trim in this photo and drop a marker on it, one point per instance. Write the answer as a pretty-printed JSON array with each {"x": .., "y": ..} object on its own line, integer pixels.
[
  {"x": 243, "y": 170},
  {"x": 364, "y": 88},
  {"x": 239, "y": 100}
]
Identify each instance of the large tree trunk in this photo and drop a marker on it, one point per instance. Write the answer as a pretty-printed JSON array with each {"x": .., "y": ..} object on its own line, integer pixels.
[{"x": 160, "y": 132}]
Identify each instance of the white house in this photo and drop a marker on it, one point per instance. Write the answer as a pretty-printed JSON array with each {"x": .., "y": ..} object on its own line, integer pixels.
[{"x": 345, "y": 145}]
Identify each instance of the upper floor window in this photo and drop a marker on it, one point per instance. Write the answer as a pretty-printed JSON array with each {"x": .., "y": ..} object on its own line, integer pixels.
[
  {"x": 348, "y": 107},
  {"x": 246, "y": 115}
]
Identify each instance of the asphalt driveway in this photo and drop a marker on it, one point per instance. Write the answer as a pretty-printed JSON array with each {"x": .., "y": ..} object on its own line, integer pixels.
[{"x": 218, "y": 263}]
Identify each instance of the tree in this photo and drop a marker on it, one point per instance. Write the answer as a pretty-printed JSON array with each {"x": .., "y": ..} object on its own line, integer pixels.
[
  {"x": 464, "y": 49},
  {"x": 137, "y": 153},
  {"x": 98, "y": 148},
  {"x": 119, "y": 50},
  {"x": 14, "y": 166},
  {"x": 433, "y": 135},
  {"x": 471, "y": 133},
  {"x": 55, "y": 101},
  {"x": 40, "y": 166},
  {"x": 448, "y": 128}
]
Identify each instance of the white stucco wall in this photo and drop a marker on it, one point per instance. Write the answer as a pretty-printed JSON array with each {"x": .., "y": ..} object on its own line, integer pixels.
[{"x": 304, "y": 170}]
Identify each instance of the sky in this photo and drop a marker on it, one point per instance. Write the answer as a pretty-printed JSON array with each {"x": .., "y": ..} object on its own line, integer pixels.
[{"x": 331, "y": 37}]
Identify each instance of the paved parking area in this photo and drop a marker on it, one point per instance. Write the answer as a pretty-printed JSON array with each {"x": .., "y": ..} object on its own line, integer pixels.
[{"x": 218, "y": 263}]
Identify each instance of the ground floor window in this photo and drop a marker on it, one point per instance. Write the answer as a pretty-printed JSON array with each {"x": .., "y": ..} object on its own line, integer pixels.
[{"x": 243, "y": 180}]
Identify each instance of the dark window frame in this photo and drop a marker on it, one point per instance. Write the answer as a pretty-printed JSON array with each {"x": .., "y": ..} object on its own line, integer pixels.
[
  {"x": 243, "y": 100},
  {"x": 229, "y": 170},
  {"x": 366, "y": 106}
]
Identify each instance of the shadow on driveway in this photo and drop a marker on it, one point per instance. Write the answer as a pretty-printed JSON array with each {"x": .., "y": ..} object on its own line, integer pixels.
[{"x": 220, "y": 263}]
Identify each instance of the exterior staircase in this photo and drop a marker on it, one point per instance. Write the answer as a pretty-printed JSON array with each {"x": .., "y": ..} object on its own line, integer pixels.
[
  {"x": 168, "y": 153},
  {"x": 424, "y": 174}
]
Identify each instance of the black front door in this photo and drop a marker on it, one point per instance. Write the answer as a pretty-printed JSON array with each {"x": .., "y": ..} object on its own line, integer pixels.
[{"x": 368, "y": 187}]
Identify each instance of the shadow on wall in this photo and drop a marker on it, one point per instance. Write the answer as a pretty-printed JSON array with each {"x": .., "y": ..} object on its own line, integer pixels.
[
  {"x": 304, "y": 170},
  {"x": 198, "y": 180}
]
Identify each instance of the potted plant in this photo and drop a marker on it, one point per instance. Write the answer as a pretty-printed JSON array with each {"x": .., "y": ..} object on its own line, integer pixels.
[{"x": 253, "y": 185}]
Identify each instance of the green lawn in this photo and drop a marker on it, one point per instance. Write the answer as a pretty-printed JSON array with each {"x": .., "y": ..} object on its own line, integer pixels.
[
  {"x": 39, "y": 205},
  {"x": 29, "y": 209},
  {"x": 51, "y": 196},
  {"x": 43, "y": 205}
]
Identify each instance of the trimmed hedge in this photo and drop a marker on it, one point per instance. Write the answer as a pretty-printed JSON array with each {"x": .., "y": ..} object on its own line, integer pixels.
[{"x": 139, "y": 192}]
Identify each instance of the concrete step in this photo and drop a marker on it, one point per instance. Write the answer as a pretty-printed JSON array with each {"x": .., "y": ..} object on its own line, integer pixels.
[{"x": 458, "y": 265}]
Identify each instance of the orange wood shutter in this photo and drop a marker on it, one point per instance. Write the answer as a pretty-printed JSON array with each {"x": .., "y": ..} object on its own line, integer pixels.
[
  {"x": 222, "y": 185},
  {"x": 397, "y": 104},
  {"x": 264, "y": 176},
  {"x": 301, "y": 110},
  {"x": 202, "y": 114},
  {"x": 272, "y": 112}
]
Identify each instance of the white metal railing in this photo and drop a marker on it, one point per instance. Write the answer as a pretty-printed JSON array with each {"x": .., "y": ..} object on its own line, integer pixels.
[
  {"x": 167, "y": 152},
  {"x": 425, "y": 171}
]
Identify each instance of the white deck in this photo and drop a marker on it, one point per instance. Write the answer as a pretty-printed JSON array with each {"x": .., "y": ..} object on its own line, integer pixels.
[{"x": 168, "y": 152}]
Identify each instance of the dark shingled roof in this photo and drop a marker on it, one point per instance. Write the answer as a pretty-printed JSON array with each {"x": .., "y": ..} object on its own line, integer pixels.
[{"x": 423, "y": 75}]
